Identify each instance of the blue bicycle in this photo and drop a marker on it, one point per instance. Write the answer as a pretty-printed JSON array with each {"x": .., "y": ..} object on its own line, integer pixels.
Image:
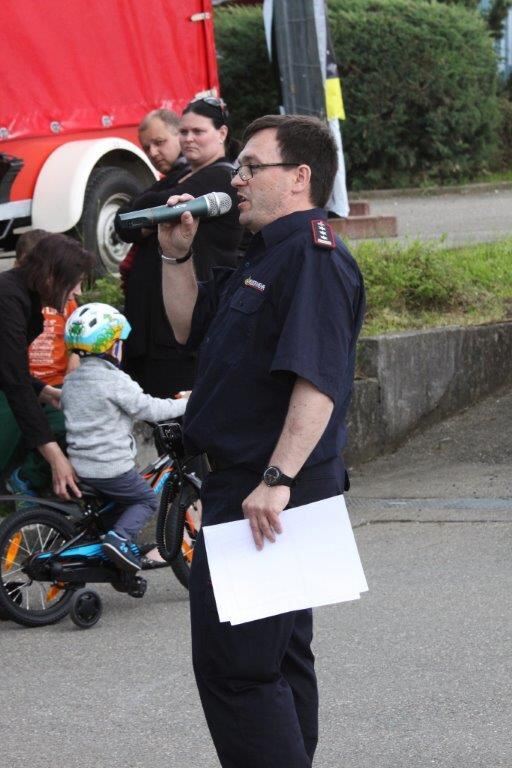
[{"x": 50, "y": 552}]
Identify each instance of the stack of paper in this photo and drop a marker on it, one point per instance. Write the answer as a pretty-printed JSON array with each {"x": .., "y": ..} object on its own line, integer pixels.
[{"x": 314, "y": 561}]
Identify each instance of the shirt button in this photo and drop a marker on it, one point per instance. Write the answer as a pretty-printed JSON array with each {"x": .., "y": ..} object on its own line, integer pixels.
[{"x": 247, "y": 263}]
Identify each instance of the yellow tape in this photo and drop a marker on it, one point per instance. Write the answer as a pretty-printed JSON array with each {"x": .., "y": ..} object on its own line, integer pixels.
[{"x": 334, "y": 99}]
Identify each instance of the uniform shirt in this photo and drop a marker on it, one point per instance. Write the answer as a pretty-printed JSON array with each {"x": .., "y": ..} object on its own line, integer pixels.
[{"x": 292, "y": 308}]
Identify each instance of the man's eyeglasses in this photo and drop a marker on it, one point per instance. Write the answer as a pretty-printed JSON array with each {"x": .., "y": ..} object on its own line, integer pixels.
[
  {"x": 246, "y": 172},
  {"x": 214, "y": 101}
]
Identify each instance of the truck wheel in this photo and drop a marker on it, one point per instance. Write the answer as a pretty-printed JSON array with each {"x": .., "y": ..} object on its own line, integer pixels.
[{"x": 108, "y": 188}]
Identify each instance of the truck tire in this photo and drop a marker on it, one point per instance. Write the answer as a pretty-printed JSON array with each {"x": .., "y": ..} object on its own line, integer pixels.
[{"x": 108, "y": 188}]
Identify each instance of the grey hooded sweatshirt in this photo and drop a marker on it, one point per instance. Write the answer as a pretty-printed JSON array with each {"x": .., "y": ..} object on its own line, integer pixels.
[{"x": 101, "y": 404}]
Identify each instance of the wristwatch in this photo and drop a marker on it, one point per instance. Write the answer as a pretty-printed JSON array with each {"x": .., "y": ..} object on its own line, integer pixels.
[{"x": 273, "y": 476}]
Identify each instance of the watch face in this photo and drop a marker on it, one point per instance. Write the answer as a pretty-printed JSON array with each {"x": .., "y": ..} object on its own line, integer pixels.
[{"x": 271, "y": 475}]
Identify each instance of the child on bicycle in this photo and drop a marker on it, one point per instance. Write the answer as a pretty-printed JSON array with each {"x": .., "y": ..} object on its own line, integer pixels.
[{"x": 100, "y": 404}]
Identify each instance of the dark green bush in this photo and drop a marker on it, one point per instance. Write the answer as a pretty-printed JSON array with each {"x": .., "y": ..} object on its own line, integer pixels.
[
  {"x": 419, "y": 83},
  {"x": 247, "y": 79},
  {"x": 420, "y": 91}
]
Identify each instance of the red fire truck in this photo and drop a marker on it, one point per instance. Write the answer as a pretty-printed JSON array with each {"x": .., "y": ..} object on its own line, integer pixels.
[{"x": 78, "y": 76}]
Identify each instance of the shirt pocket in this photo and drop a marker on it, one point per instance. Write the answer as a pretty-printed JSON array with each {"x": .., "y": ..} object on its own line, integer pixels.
[{"x": 242, "y": 321}]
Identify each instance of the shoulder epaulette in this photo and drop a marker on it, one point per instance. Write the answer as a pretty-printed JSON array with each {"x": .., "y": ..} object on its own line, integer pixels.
[{"x": 323, "y": 234}]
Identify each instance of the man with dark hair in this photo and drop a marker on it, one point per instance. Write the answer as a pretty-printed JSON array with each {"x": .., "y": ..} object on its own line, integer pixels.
[
  {"x": 304, "y": 140},
  {"x": 273, "y": 385}
]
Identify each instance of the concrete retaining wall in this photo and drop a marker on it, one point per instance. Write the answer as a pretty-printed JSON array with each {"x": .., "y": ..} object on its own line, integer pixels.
[
  {"x": 408, "y": 380},
  {"x": 413, "y": 378}
]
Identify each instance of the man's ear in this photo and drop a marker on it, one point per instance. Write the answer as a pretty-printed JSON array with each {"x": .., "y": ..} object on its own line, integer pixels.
[{"x": 302, "y": 178}]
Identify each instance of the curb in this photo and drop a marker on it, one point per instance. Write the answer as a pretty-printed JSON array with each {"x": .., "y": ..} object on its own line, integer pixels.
[{"x": 463, "y": 189}]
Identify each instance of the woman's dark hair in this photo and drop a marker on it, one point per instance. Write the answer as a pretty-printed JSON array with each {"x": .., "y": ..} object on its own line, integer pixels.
[
  {"x": 56, "y": 264},
  {"x": 216, "y": 110},
  {"x": 27, "y": 241},
  {"x": 304, "y": 140}
]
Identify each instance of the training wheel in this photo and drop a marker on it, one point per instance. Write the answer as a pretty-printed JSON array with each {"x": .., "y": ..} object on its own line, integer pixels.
[{"x": 86, "y": 608}]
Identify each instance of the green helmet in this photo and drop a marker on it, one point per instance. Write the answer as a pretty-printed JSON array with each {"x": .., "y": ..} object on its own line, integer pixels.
[{"x": 93, "y": 328}]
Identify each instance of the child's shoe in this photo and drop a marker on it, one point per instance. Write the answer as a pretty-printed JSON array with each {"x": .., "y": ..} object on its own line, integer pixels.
[
  {"x": 17, "y": 485},
  {"x": 119, "y": 551}
]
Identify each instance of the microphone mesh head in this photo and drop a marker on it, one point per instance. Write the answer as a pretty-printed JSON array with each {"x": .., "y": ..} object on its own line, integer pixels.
[
  {"x": 218, "y": 203},
  {"x": 225, "y": 202}
]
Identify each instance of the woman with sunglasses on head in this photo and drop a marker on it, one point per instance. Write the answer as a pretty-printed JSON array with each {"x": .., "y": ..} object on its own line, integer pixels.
[{"x": 152, "y": 356}]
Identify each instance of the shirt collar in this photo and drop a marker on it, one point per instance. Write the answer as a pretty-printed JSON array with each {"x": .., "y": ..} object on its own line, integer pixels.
[{"x": 283, "y": 227}]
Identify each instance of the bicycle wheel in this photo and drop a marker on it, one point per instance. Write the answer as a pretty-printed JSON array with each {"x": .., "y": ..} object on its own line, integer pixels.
[
  {"x": 22, "y": 535},
  {"x": 179, "y": 522}
]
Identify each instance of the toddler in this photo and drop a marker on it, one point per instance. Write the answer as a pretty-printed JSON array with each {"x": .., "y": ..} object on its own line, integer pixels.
[{"x": 100, "y": 404}]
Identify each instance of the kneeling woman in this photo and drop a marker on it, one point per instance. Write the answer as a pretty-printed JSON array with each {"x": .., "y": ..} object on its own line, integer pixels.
[{"x": 53, "y": 274}]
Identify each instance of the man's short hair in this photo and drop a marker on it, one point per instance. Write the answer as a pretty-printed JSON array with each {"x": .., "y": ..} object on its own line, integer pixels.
[
  {"x": 171, "y": 119},
  {"x": 306, "y": 141}
]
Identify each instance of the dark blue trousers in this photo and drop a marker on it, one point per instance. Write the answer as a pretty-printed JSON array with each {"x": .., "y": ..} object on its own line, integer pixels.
[
  {"x": 134, "y": 494},
  {"x": 256, "y": 680}
]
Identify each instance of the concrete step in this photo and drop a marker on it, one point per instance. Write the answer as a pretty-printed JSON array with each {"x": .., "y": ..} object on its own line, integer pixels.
[
  {"x": 367, "y": 226},
  {"x": 359, "y": 208}
]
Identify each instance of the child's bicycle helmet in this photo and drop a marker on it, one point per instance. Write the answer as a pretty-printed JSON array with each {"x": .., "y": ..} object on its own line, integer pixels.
[{"x": 93, "y": 328}]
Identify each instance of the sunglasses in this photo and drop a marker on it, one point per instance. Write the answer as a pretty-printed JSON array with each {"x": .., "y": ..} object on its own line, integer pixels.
[{"x": 214, "y": 101}]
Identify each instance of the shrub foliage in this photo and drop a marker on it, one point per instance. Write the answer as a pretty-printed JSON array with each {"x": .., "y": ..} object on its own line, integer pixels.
[
  {"x": 247, "y": 79},
  {"x": 419, "y": 83}
]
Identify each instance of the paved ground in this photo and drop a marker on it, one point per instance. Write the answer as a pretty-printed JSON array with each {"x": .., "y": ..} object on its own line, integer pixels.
[
  {"x": 473, "y": 217},
  {"x": 415, "y": 674}
]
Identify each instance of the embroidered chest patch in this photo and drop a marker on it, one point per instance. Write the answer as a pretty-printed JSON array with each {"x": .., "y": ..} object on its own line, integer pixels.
[
  {"x": 323, "y": 234},
  {"x": 250, "y": 283}
]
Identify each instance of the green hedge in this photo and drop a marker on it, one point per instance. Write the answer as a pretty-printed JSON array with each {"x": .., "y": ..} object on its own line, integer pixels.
[
  {"x": 247, "y": 81},
  {"x": 419, "y": 83},
  {"x": 420, "y": 89}
]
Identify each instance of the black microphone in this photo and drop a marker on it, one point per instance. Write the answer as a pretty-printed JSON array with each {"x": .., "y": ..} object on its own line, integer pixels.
[{"x": 204, "y": 207}]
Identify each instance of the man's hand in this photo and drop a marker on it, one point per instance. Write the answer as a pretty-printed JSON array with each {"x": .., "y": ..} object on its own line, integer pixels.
[
  {"x": 176, "y": 237},
  {"x": 262, "y": 508},
  {"x": 50, "y": 396}
]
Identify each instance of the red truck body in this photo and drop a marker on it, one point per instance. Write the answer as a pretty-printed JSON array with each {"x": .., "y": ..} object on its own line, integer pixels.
[{"x": 89, "y": 70}]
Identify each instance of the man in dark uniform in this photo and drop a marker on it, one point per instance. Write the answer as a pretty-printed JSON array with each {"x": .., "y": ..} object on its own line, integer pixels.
[{"x": 275, "y": 373}]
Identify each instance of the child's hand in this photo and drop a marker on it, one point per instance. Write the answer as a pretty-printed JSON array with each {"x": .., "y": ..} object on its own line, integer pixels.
[{"x": 184, "y": 394}]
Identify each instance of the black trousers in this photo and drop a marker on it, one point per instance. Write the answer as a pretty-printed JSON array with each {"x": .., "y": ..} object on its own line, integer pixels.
[{"x": 256, "y": 680}]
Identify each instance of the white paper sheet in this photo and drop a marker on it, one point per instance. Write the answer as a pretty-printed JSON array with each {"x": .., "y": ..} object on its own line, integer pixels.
[{"x": 313, "y": 562}]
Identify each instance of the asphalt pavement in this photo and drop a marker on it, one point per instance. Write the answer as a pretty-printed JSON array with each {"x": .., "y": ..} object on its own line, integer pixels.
[
  {"x": 458, "y": 216},
  {"x": 415, "y": 674}
]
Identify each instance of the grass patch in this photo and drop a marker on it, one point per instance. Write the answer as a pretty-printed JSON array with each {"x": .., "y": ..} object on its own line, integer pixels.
[
  {"x": 421, "y": 285},
  {"x": 413, "y": 286},
  {"x": 493, "y": 177}
]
